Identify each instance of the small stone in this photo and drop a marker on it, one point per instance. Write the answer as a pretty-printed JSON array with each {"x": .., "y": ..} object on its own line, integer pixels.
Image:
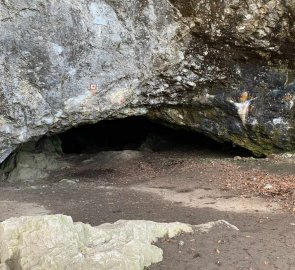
[
  {"x": 69, "y": 181},
  {"x": 86, "y": 161},
  {"x": 218, "y": 263},
  {"x": 191, "y": 84},
  {"x": 221, "y": 241},
  {"x": 181, "y": 243},
  {"x": 268, "y": 186}
]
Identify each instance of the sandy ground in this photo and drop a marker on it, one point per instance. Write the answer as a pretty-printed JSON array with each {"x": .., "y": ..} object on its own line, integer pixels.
[{"x": 190, "y": 186}]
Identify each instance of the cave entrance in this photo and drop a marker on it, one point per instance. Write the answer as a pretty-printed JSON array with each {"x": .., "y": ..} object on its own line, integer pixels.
[
  {"x": 99, "y": 152},
  {"x": 139, "y": 133}
]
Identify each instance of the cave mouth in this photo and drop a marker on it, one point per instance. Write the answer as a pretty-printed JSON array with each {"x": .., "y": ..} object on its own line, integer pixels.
[{"x": 140, "y": 133}]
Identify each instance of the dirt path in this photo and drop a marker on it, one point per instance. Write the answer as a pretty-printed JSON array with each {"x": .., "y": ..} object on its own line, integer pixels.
[{"x": 192, "y": 187}]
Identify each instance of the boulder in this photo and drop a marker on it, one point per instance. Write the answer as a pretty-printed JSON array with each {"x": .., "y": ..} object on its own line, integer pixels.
[
  {"x": 33, "y": 161},
  {"x": 223, "y": 68},
  {"x": 56, "y": 242},
  {"x": 30, "y": 167}
]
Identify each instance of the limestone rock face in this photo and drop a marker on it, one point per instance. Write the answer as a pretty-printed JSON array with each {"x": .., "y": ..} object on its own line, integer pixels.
[
  {"x": 223, "y": 68},
  {"x": 55, "y": 242}
]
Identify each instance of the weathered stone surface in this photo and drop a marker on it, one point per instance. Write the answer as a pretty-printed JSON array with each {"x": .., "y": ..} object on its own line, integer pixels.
[
  {"x": 224, "y": 68},
  {"x": 33, "y": 161},
  {"x": 30, "y": 167},
  {"x": 55, "y": 242}
]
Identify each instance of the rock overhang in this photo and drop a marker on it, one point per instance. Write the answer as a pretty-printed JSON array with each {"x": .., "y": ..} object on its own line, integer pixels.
[{"x": 224, "y": 69}]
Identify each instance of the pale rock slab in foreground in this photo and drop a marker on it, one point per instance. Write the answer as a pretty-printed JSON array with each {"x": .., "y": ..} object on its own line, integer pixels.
[{"x": 56, "y": 242}]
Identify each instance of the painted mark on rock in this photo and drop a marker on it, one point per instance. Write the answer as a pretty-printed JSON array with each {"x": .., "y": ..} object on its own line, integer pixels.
[{"x": 93, "y": 89}]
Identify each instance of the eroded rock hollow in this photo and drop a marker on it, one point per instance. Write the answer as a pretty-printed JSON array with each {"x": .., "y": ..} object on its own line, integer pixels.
[{"x": 223, "y": 68}]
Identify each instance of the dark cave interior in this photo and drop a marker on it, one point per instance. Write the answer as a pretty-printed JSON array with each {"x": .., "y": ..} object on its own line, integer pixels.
[{"x": 139, "y": 133}]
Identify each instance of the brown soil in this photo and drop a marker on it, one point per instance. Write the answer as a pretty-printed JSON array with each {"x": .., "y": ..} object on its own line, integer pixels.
[{"x": 180, "y": 185}]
